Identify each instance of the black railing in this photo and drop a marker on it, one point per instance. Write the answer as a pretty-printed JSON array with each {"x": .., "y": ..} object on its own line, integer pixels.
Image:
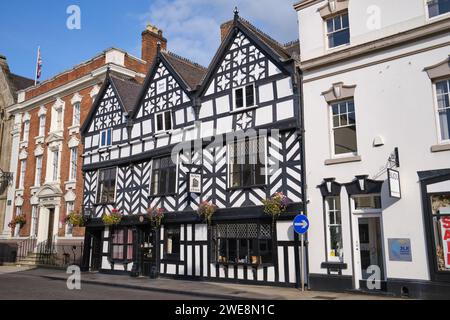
[
  {"x": 54, "y": 254},
  {"x": 25, "y": 248}
]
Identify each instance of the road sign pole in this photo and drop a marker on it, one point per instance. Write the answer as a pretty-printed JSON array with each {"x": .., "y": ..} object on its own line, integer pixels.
[{"x": 302, "y": 267}]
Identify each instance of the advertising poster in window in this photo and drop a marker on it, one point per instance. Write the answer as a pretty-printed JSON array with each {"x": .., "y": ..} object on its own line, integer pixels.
[
  {"x": 445, "y": 231},
  {"x": 394, "y": 184}
]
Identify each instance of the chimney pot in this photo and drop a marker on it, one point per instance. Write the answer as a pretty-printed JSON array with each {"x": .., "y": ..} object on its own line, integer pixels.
[{"x": 151, "y": 36}]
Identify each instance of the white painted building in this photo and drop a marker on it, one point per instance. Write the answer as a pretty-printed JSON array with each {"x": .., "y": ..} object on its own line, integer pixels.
[{"x": 376, "y": 77}]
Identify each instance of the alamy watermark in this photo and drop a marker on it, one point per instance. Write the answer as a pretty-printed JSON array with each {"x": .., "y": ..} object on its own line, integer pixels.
[
  {"x": 73, "y": 21},
  {"x": 74, "y": 280}
]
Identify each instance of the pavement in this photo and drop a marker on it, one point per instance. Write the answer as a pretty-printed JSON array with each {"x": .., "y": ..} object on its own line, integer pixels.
[{"x": 194, "y": 289}]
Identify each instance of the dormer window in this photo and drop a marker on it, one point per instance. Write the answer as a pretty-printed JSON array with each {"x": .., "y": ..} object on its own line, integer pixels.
[
  {"x": 338, "y": 30},
  {"x": 164, "y": 121},
  {"x": 244, "y": 97},
  {"x": 438, "y": 7},
  {"x": 106, "y": 138}
]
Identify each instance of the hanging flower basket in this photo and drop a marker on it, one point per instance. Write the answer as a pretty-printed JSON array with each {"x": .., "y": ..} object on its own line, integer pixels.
[
  {"x": 156, "y": 215},
  {"x": 113, "y": 218},
  {"x": 75, "y": 219},
  {"x": 206, "y": 210},
  {"x": 17, "y": 220},
  {"x": 276, "y": 205}
]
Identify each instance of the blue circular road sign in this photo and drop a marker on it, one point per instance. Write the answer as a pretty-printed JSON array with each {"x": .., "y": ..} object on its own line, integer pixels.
[{"x": 301, "y": 224}]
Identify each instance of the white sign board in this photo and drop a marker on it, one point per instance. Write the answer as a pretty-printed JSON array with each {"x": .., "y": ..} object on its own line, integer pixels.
[
  {"x": 394, "y": 184},
  {"x": 195, "y": 183}
]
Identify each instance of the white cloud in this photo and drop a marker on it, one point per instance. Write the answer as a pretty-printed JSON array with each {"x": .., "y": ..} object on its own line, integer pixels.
[{"x": 192, "y": 27}]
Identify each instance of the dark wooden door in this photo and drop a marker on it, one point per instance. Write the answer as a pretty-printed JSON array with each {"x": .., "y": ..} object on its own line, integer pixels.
[
  {"x": 148, "y": 253},
  {"x": 96, "y": 249},
  {"x": 51, "y": 220}
]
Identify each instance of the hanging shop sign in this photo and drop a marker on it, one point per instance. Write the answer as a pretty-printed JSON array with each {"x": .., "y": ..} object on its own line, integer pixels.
[
  {"x": 195, "y": 183},
  {"x": 400, "y": 250},
  {"x": 394, "y": 184}
]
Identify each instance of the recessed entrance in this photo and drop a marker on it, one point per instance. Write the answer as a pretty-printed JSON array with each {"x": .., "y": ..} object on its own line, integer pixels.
[
  {"x": 148, "y": 253},
  {"x": 51, "y": 218}
]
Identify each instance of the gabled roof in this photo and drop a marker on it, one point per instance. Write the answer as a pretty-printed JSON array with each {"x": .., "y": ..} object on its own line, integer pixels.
[
  {"x": 277, "y": 51},
  {"x": 190, "y": 72},
  {"x": 127, "y": 91}
]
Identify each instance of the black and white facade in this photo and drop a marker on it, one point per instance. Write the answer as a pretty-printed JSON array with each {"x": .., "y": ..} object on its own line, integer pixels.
[{"x": 187, "y": 135}]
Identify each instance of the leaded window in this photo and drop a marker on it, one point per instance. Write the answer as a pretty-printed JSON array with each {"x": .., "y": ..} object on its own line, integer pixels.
[
  {"x": 243, "y": 243},
  {"x": 244, "y": 97}
]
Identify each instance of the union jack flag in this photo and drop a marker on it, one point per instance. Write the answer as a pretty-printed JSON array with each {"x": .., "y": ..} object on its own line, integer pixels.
[{"x": 38, "y": 65}]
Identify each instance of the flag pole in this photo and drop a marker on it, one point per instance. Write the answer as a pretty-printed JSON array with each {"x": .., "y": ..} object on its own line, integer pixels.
[{"x": 37, "y": 65}]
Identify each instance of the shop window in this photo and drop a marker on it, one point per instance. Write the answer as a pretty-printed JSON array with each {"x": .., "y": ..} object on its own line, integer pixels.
[
  {"x": 249, "y": 244},
  {"x": 172, "y": 242},
  {"x": 367, "y": 202},
  {"x": 334, "y": 228},
  {"x": 122, "y": 244},
  {"x": 441, "y": 227}
]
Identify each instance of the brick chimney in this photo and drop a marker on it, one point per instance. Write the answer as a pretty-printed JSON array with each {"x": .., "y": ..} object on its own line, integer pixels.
[
  {"x": 151, "y": 36},
  {"x": 225, "y": 28}
]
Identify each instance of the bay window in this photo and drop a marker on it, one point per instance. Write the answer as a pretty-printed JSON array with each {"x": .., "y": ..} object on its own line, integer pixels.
[
  {"x": 163, "y": 181},
  {"x": 247, "y": 162},
  {"x": 443, "y": 108},
  {"x": 249, "y": 244},
  {"x": 106, "y": 191},
  {"x": 344, "y": 127},
  {"x": 121, "y": 246}
]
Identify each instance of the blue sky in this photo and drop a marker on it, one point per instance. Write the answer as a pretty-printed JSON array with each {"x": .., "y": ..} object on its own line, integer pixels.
[{"x": 191, "y": 27}]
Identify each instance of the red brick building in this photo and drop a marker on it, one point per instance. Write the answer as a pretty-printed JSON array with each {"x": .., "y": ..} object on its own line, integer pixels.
[{"x": 46, "y": 144}]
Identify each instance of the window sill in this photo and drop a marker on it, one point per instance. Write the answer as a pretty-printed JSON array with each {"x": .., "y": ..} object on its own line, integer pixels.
[
  {"x": 162, "y": 134},
  {"x": 226, "y": 264},
  {"x": 247, "y": 188},
  {"x": 350, "y": 159},
  {"x": 243, "y": 109},
  {"x": 162, "y": 195},
  {"x": 441, "y": 147},
  {"x": 74, "y": 129}
]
